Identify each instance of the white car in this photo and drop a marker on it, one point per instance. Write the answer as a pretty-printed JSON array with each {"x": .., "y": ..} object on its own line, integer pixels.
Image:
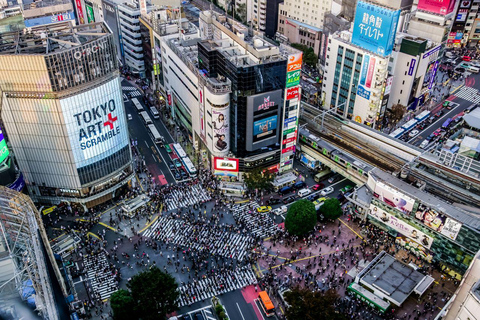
[
  {"x": 413, "y": 133},
  {"x": 326, "y": 191},
  {"x": 129, "y": 116},
  {"x": 424, "y": 144},
  {"x": 279, "y": 211}
]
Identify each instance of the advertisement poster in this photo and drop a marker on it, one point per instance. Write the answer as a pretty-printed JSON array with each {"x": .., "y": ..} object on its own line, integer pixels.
[
  {"x": 362, "y": 92},
  {"x": 374, "y": 28},
  {"x": 461, "y": 15},
  {"x": 81, "y": 19},
  {"x": 394, "y": 198},
  {"x": 438, "y": 222},
  {"x": 265, "y": 126},
  {"x": 434, "y": 73},
  {"x": 221, "y": 131},
  {"x": 96, "y": 123},
  {"x": 293, "y": 93},
  {"x": 401, "y": 226},
  {"x": 294, "y": 62},
  {"x": 371, "y": 69},
  {"x": 201, "y": 115},
  {"x": 415, "y": 248},
  {"x": 293, "y": 78},
  {"x": 225, "y": 164},
  {"x": 364, "y": 72},
  {"x": 3, "y": 148},
  {"x": 441, "y": 7},
  {"x": 49, "y": 19},
  {"x": 90, "y": 14},
  {"x": 429, "y": 75}
]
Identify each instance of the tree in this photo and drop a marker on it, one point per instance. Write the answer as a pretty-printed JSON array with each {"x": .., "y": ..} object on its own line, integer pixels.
[
  {"x": 309, "y": 56},
  {"x": 122, "y": 305},
  {"x": 312, "y": 305},
  {"x": 257, "y": 179},
  {"x": 397, "y": 112},
  {"x": 155, "y": 294},
  {"x": 331, "y": 209},
  {"x": 301, "y": 217}
]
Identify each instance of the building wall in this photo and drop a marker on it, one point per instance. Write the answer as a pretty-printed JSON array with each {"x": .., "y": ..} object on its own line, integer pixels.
[
  {"x": 307, "y": 11},
  {"x": 296, "y": 33},
  {"x": 131, "y": 37}
]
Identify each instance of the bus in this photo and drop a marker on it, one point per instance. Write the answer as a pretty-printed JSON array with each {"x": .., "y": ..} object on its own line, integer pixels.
[
  {"x": 322, "y": 174},
  {"x": 409, "y": 125},
  {"x": 137, "y": 105},
  {"x": 157, "y": 138},
  {"x": 146, "y": 118},
  {"x": 397, "y": 133},
  {"x": 266, "y": 304},
  {"x": 422, "y": 116},
  {"x": 446, "y": 123},
  {"x": 155, "y": 113},
  {"x": 179, "y": 150},
  {"x": 187, "y": 163}
]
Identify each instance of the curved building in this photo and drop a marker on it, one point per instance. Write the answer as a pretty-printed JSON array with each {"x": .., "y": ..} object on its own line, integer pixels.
[{"x": 63, "y": 113}]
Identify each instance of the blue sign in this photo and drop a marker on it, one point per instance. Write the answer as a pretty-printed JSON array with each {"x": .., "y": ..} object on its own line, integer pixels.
[
  {"x": 264, "y": 126},
  {"x": 412, "y": 66},
  {"x": 18, "y": 184},
  {"x": 374, "y": 28},
  {"x": 363, "y": 77},
  {"x": 292, "y": 119},
  {"x": 362, "y": 92},
  {"x": 431, "y": 52},
  {"x": 40, "y": 21}
]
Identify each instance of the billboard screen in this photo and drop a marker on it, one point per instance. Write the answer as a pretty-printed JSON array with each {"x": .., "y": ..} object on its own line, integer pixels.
[
  {"x": 438, "y": 222},
  {"x": 374, "y": 28},
  {"x": 221, "y": 132},
  {"x": 442, "y": 7},
  {"x": 264, "y": 127},
  {"x": 95, "y": 122},
  {"x": 225, "y": 164},
  {"x": 394, "y": 198},
  {"x": 40, "y": 21},
  {"x": 293, "y": 78},
  {"x": 3, "y": 147},
  {"x": 401, "y": 226},
  {"x": 90, "y": 14}
]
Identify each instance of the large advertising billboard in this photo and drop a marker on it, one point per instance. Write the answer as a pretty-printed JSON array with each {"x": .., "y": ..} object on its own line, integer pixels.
[
  {"x": 294, "y": 62},
  {"x": 78, "y": 4},
  {"x": 221, "y": 132},
  {"x": 225, "y": 164},
  {"x": 401, "y": 226},
  {"x": 438, "y": 222},
  {"x": 95, "y": 122},
  {"x": 40, "y": 21},
  {"x": 441, "y": 7},
  {"x": 293, "y": 78},
  {"x": 264, "y": 127},
  {"x": 90, "y": 13},
  {"x": 394, "y": 198},
  {"x": 3, "y": 147},
  {"x": 374, "y": 28}
]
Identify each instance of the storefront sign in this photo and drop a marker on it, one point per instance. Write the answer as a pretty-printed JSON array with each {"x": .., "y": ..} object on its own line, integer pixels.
[
  {"x": 80, "y": 11},
  {"x": 90, "y": 49},
  {"x": 225, "y": 164},
  {"x": 438, "y": 222},
  {"x": 49, "y": 19},
  {"x": 394, "y": 198},
  {"x": 293, "y": 93},
  {"x": 294, "y": 62}
]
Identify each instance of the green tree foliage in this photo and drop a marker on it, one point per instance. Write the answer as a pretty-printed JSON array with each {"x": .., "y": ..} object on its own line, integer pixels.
[
  {"x": 122, "y": 305},
  {"x": 309, "y": 305},
  {"x": 152, "y": 295},
  {"x": 257, "y": 179},
  {"x": 331, "y": 209},
  {"x": 309, "y": 56},
  {"x": 301, "y": 217}
]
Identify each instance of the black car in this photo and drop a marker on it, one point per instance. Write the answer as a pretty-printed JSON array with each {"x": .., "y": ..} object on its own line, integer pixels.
[
  {"x": 171, "y": 166},
  {"x": 312, "y": 197},
  {"x": 177, "y": 175},
  {"x": 273, "y": 201},
  {"x": 288, "y": 199},
  {"x": 299, "y": 185},
  {"x": 184, "y": 175}
]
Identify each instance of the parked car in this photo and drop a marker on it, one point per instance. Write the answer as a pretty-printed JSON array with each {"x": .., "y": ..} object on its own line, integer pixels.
[
  {"x": 430, "y": 137},
  {"x": 177, "y": 175},
  {"x": 288, "y": 199},
  {"x": 299, "y": 185},
  {"x": 346, "y": 189},
  {"x": 168, "y": 149},
  {"x": 177, "y": 162},
  {"x": 273, "y": 201},
  {"x": 184, "y": 174},
  {"x": 424, "y": 144},
  {"x": 318, "y": 187},
  {"x": 437, "y": 132},
  {"x": 171, "y": 166},
  {"x": 312, "y": 197},
  {"x": 326, "y": 191},
  {"x": 264, "y": 209},
  {"x": 129, "y": 116}
]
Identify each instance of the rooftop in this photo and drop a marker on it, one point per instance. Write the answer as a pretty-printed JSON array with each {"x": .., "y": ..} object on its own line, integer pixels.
[
  {"x": 51, "y": 38},
  {"x": 470, "y": 219}
]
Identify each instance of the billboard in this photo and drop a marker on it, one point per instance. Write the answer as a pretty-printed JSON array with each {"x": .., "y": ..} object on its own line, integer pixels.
[
  {"x": 90, "y": 14},
  {"x": 438, "y": 222},
  {"x": 293, "y": 78},
  {"x": 3, "y": 148},
  {"x": 394, "y": 198},
  {"x": 40, "y": 21},
  {"x": 441, "y": 7},
  {"x": 220, "y": 124},
  {"x": 294, "y": 62},
  {"x": 374, "y": 28},
  {"x": 78, "y": 4},
  {"x": 95, "y": 122},
  {"x": 18, "y": 184},
  {"x": 401, "y": 226},
  {"x": 264, "y": 127},
  {"x": 225, "y": 164},
  {"x": 201, "y": 115},
  {"x": 293, "y": 93},
  {"x": 461, "y": 15}
]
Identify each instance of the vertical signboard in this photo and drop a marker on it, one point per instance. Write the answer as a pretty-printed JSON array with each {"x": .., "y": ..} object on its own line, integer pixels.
[
  {"x": 143, "y": 7},
  {"x": 3, "y": 148},
  {"x": 375, "y": 27},
  {"x": 290, "y": 111},
  {"x": 90, "y": 14},
  {"x": 78, "y": 4},
  {"x": 201, "y": 114}
]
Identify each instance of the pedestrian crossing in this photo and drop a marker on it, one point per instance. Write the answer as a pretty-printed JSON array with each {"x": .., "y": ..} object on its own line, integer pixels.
[
  {"x": 468, "y": 93},
  {"x": 215, "y": 285},
  {"x": 127, "y": 88},
  {"x": 102, "y": 281},
  {"x": 258, "y": 224},
  {"x": 135, "y": 93},
  {"x": 212, "y": 239},
  {"x": 186, "y": 198}
]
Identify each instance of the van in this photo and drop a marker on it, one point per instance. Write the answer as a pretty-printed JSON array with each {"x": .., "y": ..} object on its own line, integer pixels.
[
  {"x": 155, "y": 113},
  {"x": 285, "y": 190},
  {"x": 304, "y": 192},
  {"x": 473, "y": 69}
]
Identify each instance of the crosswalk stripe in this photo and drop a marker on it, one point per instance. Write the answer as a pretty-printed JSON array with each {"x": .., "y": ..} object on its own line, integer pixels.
[
  {"x": 258, "y": 224},
  {"x": 102, "y": 283},
  {"x": 193, "y": 195},
  {"x": 469, "y": 94}
]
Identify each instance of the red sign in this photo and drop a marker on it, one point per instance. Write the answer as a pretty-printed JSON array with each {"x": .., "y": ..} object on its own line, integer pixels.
[
  {"x": 292, "y": 148},
  {"x": 442, "y": 7},
  {"x": 288, "y": 140},
  {"x": 80, "y": 11},
  {"x": 293, "y": 93},
  {"x": 294, "y": 62},
  {"x": 225, "y": 164},
  {"x": 169, "y": 97}
]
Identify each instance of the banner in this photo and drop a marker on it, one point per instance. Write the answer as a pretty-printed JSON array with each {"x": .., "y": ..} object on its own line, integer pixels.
[
  {"x": 90, "y": 13},
  {"x": 438, "y": 222}
]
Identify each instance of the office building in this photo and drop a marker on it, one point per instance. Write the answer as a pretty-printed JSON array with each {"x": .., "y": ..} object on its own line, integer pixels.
[
  {"x": 432, "y": 21},
  {"x": 40, "y": 13},
  {"x": 63, "y": 113}
]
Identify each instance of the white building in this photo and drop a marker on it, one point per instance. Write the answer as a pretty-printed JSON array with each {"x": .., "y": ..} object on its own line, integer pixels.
[{"x": 310, "y": 12}]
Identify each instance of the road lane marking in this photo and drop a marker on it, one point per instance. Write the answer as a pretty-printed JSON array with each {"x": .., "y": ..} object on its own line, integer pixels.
[{"x": 240, "y": 310}]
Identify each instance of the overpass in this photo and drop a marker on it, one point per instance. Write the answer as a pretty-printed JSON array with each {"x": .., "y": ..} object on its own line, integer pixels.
[{"x": 455, "y": 179}]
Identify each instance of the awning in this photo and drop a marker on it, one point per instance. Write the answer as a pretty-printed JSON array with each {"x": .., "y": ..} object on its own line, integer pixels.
[{"x": 423, "y": 285}]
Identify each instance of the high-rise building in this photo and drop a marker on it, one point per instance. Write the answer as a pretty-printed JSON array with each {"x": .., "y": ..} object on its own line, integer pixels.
[
  {"x": 63, "y": 112},
  {"x": 39, "y": 13},
  {"x": 465, "y": 30},
  {"x": 432, "y": 20}
]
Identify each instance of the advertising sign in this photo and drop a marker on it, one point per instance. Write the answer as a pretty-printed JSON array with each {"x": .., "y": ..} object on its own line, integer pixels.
[
  {"x": 294, "y": 62},
  {"x": 434, "y": 73},
  {"x": 401, "y": 226},
  {"x": 411, "y": 69},
  {"x": 394, "y": 198},
  {"x": 40, "y": 21},
  {"x": 90, "y": 14},
  {"x": 293, "y": 93},
  {"x": 441, "y": 7},
  {"x": 363, "y": 74},
  {"x": 429, "y": 74},
  {"x": 434, "y": 50},
  {"x": 438, "y": 222},
  {"x": 96, "y": 124},
  {"x": 265, "y": 126},
  {"x": 225, "y": 164},
  {"x": 201, "y": 115},
  {"x": 461, "y": 15},
  {"x": 292, "y": 119},
  {"x": 18, "y": 184},
  {"x": 3, "y": 148},
  {"x": 371, "y": 68},
  {"x": 458, "y": 36},
  {"x": 78, "y": 4},
  {"x": 374, "y": 28},
  {"x": 465, "y": 4},
  {"x": 220, "y": 124},
  {"x": 293, "y": 78},
  {"x": 362, "y": 92},
  {"x": 388, "y": 86}
]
